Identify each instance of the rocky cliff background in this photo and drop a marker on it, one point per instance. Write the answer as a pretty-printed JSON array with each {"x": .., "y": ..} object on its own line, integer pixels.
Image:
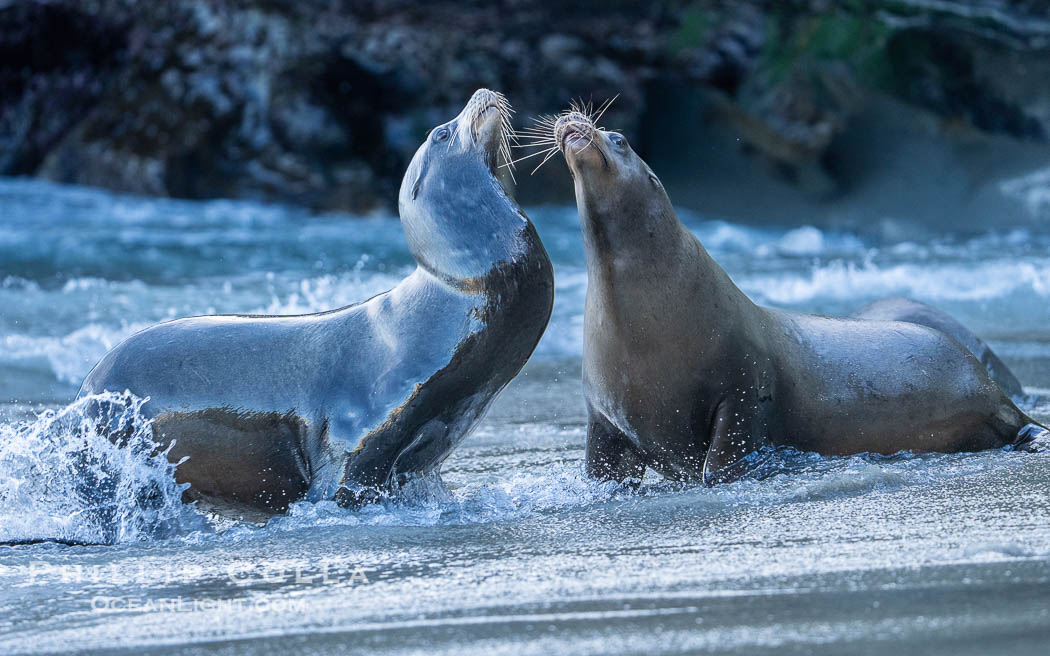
[{"x": 807, "y": 103}]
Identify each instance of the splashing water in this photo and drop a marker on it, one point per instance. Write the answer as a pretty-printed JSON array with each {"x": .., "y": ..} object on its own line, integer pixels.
[
  {"x": 63, "y": 479},
  {"x": 428, "y": 501}
]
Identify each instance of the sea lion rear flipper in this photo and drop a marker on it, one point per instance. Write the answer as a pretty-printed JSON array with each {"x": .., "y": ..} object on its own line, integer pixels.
[
  {"x": 734, "y": 449},
  {"x": 1029, "y": 435}
]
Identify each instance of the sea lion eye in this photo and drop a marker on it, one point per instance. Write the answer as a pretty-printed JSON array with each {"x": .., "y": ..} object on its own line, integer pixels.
[
  {"x": 441, "y": 134},
  {"x": 653, "y": 179},
  {"x": 617, "y": 140}
]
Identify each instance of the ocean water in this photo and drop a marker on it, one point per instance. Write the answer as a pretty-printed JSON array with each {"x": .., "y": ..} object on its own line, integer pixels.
[{"x": 512, "y": 550}]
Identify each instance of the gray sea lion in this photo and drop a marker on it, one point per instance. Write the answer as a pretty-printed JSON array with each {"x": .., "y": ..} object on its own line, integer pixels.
[
  {"x": 898, "y": 308},
  {"x": 684, "y": 374},
  {"x": 273, "y": 409}
]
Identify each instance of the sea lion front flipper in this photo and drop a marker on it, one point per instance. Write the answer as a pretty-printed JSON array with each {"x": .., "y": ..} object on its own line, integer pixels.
[
  {"x": 734, "y": 448},
  {"x": 610, "y": 456}
]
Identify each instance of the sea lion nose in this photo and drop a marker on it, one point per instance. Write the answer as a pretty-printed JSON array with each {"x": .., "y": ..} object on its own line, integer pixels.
[
  {"x": 571, "y": 122},
  {"x": 570, "y": 119},
  {"x": 483, "y": 94}
]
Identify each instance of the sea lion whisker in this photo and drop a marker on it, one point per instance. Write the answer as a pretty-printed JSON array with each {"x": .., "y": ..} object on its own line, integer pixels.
[
  {"x": 532, "y": 143},
  {"x": 546, "y": 124},
  {"x": 538, "y": 152},
  {"x": 452, "y": 139},
  {"x": 537, "y": 128},
  {"x": 543, "y": 123},
  {"x": 538, "y": 144},
  {"x": 506, "y": 136},
  {"x": 544, "y": 145},
  {"x": 590, "y": 142},
  {"x": 583, "y": 108},
  {"x": 510, "y": 169},
  {"x": 541, "y": 136},
  {"x": 551, "y": 153},
  {"x": 508, "y": 164},
  {"x": 535, "y": 135},
  {"x": 604, "y": 108},
  {"x": 532, "y": 139}
]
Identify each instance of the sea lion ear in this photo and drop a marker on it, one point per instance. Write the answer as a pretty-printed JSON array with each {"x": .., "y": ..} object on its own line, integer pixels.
[{"x": 420, "y": 172}]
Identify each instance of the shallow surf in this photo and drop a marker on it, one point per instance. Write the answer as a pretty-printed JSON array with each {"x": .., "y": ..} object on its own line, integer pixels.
[{"x": 513, "y": 550}]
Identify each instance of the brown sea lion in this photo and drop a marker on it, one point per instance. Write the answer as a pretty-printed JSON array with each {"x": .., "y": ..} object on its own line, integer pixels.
[{"x": 684, "y": 374}]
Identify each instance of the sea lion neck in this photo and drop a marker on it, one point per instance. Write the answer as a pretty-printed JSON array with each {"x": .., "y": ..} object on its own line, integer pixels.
[
  {"x": 463, "y": 225},
  {"x": 639, "y": 239},
  {"x": 626, "y": 231}
]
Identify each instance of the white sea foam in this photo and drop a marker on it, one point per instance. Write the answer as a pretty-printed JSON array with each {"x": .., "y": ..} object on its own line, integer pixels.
[
  {"x": 564, "y": 334},
  {"x": 62, "y": 478},
  {"x": 725, "y": 237},
  {"x": 1032, "y": 191},
  {"x": 839, "y": 280},
  {"x": 428, "y": 502},
  {"x": 105, "y": 304},
  {"x": 71, "y": 356},
  {"x": 788, "y": 476},
  {"x": 328, "y": 292},
  {"x": 806, "y": 240}
]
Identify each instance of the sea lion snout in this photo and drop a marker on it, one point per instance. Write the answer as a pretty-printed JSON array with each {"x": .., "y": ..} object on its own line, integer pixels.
[
  {"x": 485, "y": 98},
  {"x": 580, "y": 141},
  {"x": 485, "y": 124},
  {"x": 487, "y": 114},
  {"x": 574, "y": 131},
  {"x": 486, "y": 127}
]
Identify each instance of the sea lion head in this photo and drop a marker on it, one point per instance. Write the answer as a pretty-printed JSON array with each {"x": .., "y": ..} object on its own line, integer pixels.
[
  {"x": 615, "y": 189},
  {"x": 458, "y": 219}
]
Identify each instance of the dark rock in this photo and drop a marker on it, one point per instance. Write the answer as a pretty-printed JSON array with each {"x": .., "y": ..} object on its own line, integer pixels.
[
  {"x": 322, "y": 102},
  {"x": 57, "y": 61}
]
